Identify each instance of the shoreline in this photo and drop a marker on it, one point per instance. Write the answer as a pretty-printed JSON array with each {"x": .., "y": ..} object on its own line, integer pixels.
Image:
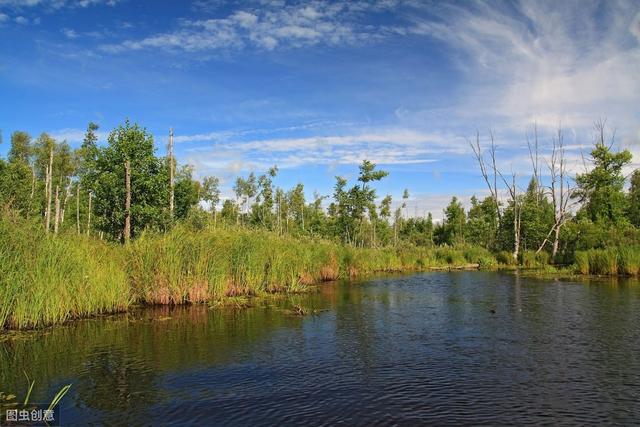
[
  {"x": 246, "y": 301},
  {"x": 51, "y": 279}
]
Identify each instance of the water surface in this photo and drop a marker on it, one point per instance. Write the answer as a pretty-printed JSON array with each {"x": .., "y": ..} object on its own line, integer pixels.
[{"x": 435, "y": 348}]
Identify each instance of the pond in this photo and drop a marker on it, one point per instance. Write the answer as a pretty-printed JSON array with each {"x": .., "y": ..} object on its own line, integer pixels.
[{"x": 433, "y": 348}]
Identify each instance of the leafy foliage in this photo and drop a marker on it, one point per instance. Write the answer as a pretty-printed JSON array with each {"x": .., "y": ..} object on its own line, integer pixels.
[{"x": 90, "y": 182}]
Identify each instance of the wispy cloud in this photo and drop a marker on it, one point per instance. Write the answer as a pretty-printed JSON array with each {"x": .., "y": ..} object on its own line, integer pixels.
[
  {"x": 568, "y": 62},
  {"x": 220, "y": 152},
  {"x": 19, "y": 8},
  {"x": 69, "y": 33},
  {"x": 54, "y": 4},
  {"x": 75, "y": 136},
  {"x": 273, "y": 25}
]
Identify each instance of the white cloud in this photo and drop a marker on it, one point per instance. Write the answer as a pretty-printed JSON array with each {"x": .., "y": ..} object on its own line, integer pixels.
[
  {"x": 75, "y": 136},
  {"x": 266, "y": 27},
  {"x": 546, "y": 61},
  {"x": 222, "y": 153},
  {"x": 3, "y": 18},
  {"x": 69, "y": 33},
  {"x": 20, "y": 3},
  {"x": 54, "y": 4}
]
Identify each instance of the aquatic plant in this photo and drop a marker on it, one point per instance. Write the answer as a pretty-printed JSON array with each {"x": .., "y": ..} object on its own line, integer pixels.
[
  {"x": 610, "y": 261},
  {"x": 48, "y": 279},
  {"x": 582, "y": 262},
  {"x": 629, "y": 259},
  {"x": 9, "y": 401}
]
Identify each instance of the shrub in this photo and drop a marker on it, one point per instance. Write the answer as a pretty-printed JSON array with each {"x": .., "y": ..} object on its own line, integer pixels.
[
  {"x": 505, "y": 258},
  {"x": 531, "y": 259}
]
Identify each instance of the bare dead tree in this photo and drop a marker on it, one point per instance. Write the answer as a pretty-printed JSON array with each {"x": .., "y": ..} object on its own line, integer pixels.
[
  {"x": 67, "y": 195},
  {"x": 89, "y": 213},
  {"x": 517, "y": 210},
  {"x": 33, "y": 189},
  {"x": 56, "y": 222},
  {"x": 534, "y": 157},
  {"x": 493, "y": 187},
  {"x": 560, "y": 189},
  {"x": 127, "y": 203},
  {"x": 171, "y": 173},
  {"x": 48, "y": 190},
  {"x": 78, "y": 207}
]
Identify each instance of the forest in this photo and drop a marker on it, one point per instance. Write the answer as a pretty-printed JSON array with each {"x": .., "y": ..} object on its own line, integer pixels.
[{"x": 101, "y": 227}]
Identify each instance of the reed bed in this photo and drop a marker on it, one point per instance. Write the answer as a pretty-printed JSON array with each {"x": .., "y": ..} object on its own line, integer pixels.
[
  {"x": 47, "y": 279},
  {"x": 609, "y": 262},
  {"x": 184, "y": 266}
]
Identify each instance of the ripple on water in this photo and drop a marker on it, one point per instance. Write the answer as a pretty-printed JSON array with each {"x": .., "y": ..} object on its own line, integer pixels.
[{"x": 463, "y": 348}]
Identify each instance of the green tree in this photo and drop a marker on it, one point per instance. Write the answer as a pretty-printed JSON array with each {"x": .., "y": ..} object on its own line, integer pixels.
[
  {"x": 15, "y": 186},
  {"x": 601, "y": 189},
  {"x": 634, "y": 199},
  {"x": 428, "y": 229},
  {"x": 454, "y": 222},
  {"x": 229, "y": 211},
  {"x": 351, "y": 205},
  {"x": 405, "y": 199},
  {"x": 186, "y": 192},
  {"x": 482, "y": 223},
  {"x": 149, "y": 175},
  {"x": 245, "y": 190},
  {"x": 537, "y": 217},
  {"x": 211, "y": 193},
  {"x": 296, "y": 200},
  {"x": 17, "y": 181},
  {"x": 21, "y": 149},
  {"x": 88, "y": 152},
  {"x": 263, "y": 208},
  {"x": 316, "y": 218},
  {"x": 340, "y": 209}
]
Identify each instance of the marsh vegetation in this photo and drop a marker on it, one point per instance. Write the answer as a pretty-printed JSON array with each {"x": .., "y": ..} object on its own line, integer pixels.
[{"x": 103, "y": 227}]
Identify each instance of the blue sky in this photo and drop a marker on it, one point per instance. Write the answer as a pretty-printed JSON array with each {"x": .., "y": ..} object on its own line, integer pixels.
[{"x": 315, "y": 87}]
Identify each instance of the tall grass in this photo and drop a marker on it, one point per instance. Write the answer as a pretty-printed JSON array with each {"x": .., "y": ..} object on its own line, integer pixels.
[
  {"x": 610, "y": 261},
  {"x": 183, "y": 266},
  {"x": 531, "y": 259},
  {"x": 46, "y": 279}
]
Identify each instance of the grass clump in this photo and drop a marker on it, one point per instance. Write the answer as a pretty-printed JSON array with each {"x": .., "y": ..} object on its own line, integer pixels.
[
  {"x": 506, "y": 258},
  {"x": 582, "y": 262},
  {"x": 182, "y": 266},
  {"x": 629, "y": 259},
  {"x": 604, "y": 261},
  {"x": 450, "y": 256},
  {"x": 533, "y": 259},
  {"x": 609, "y": 262},
  {"x": 46, "y": 279}
]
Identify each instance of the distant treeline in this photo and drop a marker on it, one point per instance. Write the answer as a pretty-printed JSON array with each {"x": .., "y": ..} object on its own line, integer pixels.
[{"x": 118, "y": 190}]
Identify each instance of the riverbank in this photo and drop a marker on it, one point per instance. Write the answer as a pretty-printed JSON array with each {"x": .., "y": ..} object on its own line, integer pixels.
[
  {"x": 46, "y": 279},
  {"x": 49, "y": 279}
]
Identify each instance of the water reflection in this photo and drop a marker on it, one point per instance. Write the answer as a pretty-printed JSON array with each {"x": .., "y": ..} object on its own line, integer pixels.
[{"x": 461, "y": 347}]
